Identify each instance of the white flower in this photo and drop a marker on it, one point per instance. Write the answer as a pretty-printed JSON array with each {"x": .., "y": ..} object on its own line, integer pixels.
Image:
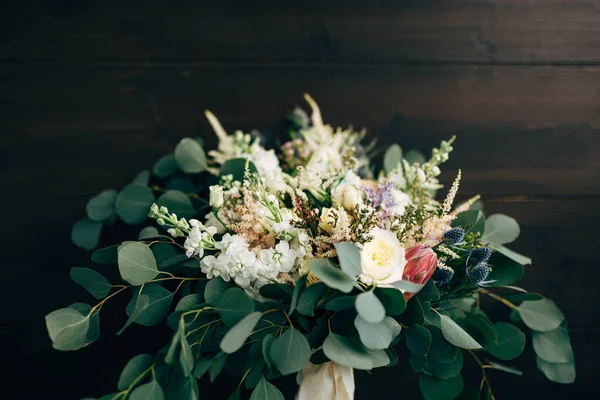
[
  {"x": 280, "y": 259},
  {"x": 400, "y": 201},
  {"x": 382, "y": 258},
  {"x": 397, "y": 177},
  {"x": 348, "y": 194},
  {"x": 216, "y": 196},
  {"x": 327, "y": 220},
  {"x": 213, "y": 221}
]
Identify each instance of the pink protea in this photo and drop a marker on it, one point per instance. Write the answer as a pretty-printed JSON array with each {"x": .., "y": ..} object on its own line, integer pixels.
[{"x": 421, "y": 261}]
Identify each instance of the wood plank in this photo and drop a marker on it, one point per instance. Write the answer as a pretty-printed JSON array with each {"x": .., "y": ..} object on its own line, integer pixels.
[
  {"x": 385, "y": 31},
  {"x": 532, "y": 131}
]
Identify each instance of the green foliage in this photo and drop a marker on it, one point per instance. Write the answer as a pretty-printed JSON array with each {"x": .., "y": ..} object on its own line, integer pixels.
[
  {"x": 298, "y": 288},
  {"x": 310, "y": 297},
  {"x": 233, "y": 306},
  {"x": 92, "y": 281},
  {"x": 266, "y": 391},
  {"x": 134, "y": 368},
  {"x": 440, "y": 389},
  {"x": 541, "y": 315},
  {"x": 237, "y": 167},
  {"x": 553, "y": 346},
  {"x": 472, "y": 221},
  {"x": 513, "y": 255},
  {"x": 392, "y": 300},
  {"x": 377, "y": 336},
  {"x": 290, "y": 352},
  {"x": 102, "y": 206},
  {"x": 237, "y": 335},
  {"x": 349, "y": 256},
  {"x": 429, "y": 292},
  {"x": 140, "y": 305},
  {"x": 137, "y": 264},
  {"x": 446, "y": 366},
  {"x": 277, "y": 291},
  {"x": 133, "y": 203},
  {"x": 214, "y": 290},
  {"x": 509, "y": 344},
  {"x": 107, "y": 255},
  {"x": 505, "y": 271},
  {"x": 68, "y": 328},
  {"x": 190, "y": 156},
  {"x": 331, "y": 276},
  {"x": 86, "y": 233},
  {"x": 456, "y": 335},
  {"x": 418, "y": 340},
  {"x": 178, "y": 203},
  {"x": 369, "y": 307},
  {"x": 392, "y": 158},
  {"x": 340, "y": 303},
  {"x": 500, "y": 229},
  {"x": 165, "y": 166},
  {"x": 414, "y": 156},
  {"x": 557, "y": 372},
  {"x": 342, "y": 351},
  {"x": 159, "y": 304},
  {"x": 148, "y": 391}
]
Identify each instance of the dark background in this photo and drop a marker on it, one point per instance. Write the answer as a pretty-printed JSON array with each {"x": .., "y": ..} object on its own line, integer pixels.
[{"x": 92, "y": 92}]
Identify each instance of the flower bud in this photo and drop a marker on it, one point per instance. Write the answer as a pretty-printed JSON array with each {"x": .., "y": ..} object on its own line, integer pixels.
[
  {"x": 216, "y": 197},
  {"x": 420, "y": 266},
  {"x": 479, "y": 273},
  {"x": 480, "y": 255}
]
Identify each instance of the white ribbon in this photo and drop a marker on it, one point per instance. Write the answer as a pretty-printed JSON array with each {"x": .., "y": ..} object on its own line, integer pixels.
[{"x": 329, "y": 381}]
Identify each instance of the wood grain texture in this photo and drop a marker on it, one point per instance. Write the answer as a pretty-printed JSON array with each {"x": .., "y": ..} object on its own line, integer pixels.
[
  {"x": 93, "y": 92},
  {"x": 390, "y": 31}
]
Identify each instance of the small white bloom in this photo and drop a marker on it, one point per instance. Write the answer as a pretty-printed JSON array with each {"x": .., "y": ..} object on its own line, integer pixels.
[
  {"x": 400, "y": 201},
  {"x": 280, "y": 259},
  {"x": 348, "y": 196},
  {"x": 216, "y": 196},
  {"x": 382, "y": 258}
]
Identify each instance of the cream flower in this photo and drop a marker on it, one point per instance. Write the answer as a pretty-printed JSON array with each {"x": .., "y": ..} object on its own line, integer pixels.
[
  {"x": 216, "y": 196},
  {"x": 382, "y": 258},
  {"x": 348, "y": 193}
]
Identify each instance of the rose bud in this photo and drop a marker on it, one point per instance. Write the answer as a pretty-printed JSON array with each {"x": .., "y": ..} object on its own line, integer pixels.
[{"x": 421, "y": 262}]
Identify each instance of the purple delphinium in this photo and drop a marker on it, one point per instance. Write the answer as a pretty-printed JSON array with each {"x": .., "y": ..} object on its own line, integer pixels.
[{"x": 373, "y": 196}]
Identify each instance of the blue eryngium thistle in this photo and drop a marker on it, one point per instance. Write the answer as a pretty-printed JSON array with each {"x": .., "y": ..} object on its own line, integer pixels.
[
  {"x": 479, "y": 273},
  {"x": 478, "y": 256},
  {"x": 443, "y": 275},
  {"x": 454, "y": 235}
]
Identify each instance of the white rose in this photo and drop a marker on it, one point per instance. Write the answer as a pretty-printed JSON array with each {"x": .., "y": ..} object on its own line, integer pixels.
[
  {"x": 382, "y": 258},
  {"x": 401, "y": 200},
  {"x": 216, "y": 196},
  {"x": 327, "y": 220}
]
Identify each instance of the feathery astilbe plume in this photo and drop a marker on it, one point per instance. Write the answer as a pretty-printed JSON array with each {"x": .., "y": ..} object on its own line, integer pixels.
[{"x": 447, "y": 205}]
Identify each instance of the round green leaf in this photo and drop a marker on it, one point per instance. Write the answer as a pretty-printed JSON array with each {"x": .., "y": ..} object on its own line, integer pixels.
[
  {"x": 234, "y": 339},
  {"x": 107, "y": 255},
  {"x": 440, "y": 389},
  {"x": 190, "y": 156},
  {"x": 234, "y": 305},
  {"x": 504, "y": 270},
  {"x": 349, "y": 256},
  {"x": 165, "y": 166},
  {"x": 159, "y": 303},
  {"x": 510, "y": 342},
  {"x": 414, "y": 156},
  {"x": 472, "y": 221},
  {"x": 143, "y": 178},
  {"x": 559, "y": 373},
  {"x": 101, "y": 206},
  {"x": 456, "y": 335},
  {"x": 137, "y": 264},
  {"x": 214, "y": 290},
  {"x": 340, "y": 350},
  {"x": 392, "y": 158},
  {"x": 369, "y": 307},
  {"x": 443, "y": 370},
  {"x": 541, "y": 315},
  {"x": 266, "y": 350},
  {"x": 134, "y": 368},
  {"x": 417, "y": 363},
  {"x": 141, "y": 302},
  {"x": 418, "y": 340},
  {"x": 500, "y": 229},
  {"x": 68, "y": 328},
  {"x": 133, "y": 203},
  {"x": 91, "y": 281},
  {"x": 290, "y": 352},
  {"x": 237, "y": 167},
  {"x": 298, "y": 288},
  {"x": 178, "y": 203},
  {"x": 93, "y": 332},
  {"x": 148, "y": 232},
  {"x": 377, "y": 336},
  {"x": 148, "y": 391},
  {"x": 340, "y": 303},
  {"x": 553, "y": 346},
  {"x": 310, "y": 297},
  {"x": 392, "y": 299},
  {"x": 86, "y": 233},
  {"x": 439, "y": 345},
  {"x": 266, "y": 391},
  {"x": 331, "y": 276}
]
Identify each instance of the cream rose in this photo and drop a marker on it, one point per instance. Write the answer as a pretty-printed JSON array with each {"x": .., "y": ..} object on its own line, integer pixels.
[
  {"x": 382, "y": 258},
  {"x": 327, "y": 220},
  {"x": 348, "y": 193},
  {"x": 216, "y": 196}
]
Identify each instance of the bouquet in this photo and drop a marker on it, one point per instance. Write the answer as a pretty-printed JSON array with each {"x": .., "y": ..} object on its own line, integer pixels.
[{"x": 308, "y": 260}]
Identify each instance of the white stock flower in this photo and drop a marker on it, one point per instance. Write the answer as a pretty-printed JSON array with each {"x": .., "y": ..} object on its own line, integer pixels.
[
  {"x": 382, "y": 258},
  {"x": 280, "y": 259},
  {"x": 400, "y": 201}
]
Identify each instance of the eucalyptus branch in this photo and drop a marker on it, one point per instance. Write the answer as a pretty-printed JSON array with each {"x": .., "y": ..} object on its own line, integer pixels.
[
  {"x": 499, "y": 298},
  {"x": 484, "y": 380}
]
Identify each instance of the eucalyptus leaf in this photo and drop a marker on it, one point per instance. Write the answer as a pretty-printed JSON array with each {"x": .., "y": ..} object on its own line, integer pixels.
[
  {"x": 235, "y": 338},
  {"x": 92, "y": 281},
  {"x": 310, "y": 297},
  {"x": 349, "y": 256},
  {"x": 143, "y": 178},
  {"x": 472, "y": 221},
  {"x": 236, "y": 168},
  {"x": 217, "y": 366},
  {"x": 418, "y": 340},
  {"x": 504, "y": 368},
  {"x": 553, "y": 346},
  {"x": 340, "y": 303},
  {"x": 290, "y": 352},
  {"x": 505, "y": 271},
  {"x": 377, "y": 336},
  {"x": 445, "y": 370},
  {"x": 186, "y": 356},
  {"x": 392, "y": 158},
  {"x": 159, "y": 303},
  {"x": 407, "y": 286},
  {"x": 298, "y": 288},
  {"x": 137, "y": 264},
  {"x": 190, "y": 156},
  {"x": 340, "y": 350},
  {"x": 413, "y": 156},
  {"x": 456, "y": 335},
  {"x": 559, "y": 373},
  {"x": 102, "y": 206},
  {"x": 202, "y": 366},
  {"x": 500, "y": 229},
  {"x": 214, "y": 290},
  {"x": 541, "y": 315},
  {"x": 369, "y": 307},
  {"x": 178, "y": 203},
  {"x": 86, "y": 233},
  {"x": 510, "y": 342},
  {"x": 266, "y": 391},
  {"x": 331, "y": 276},
  {"x": 138, "y": 308},
  {"x": 440, "y": 389},
  {"x": 148, "y": 232},
  {"x": 148, "y": 391},
  {"x": 165, "y": 166},
  {"x": 417, "y": 363},
  {"x": 392, "y": 299},
  {"x": 513, "y": 255},
  {"x": 67, "y": 328},
  {"x": 107, "y": 255},
  {"x": 233, "y": 306},
  {"x": 135, "y": 367},
  {"x": 133, "y": 203}
]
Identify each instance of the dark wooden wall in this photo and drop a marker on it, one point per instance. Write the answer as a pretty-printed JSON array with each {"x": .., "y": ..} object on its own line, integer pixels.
[{"x": 91, "y": 92}]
